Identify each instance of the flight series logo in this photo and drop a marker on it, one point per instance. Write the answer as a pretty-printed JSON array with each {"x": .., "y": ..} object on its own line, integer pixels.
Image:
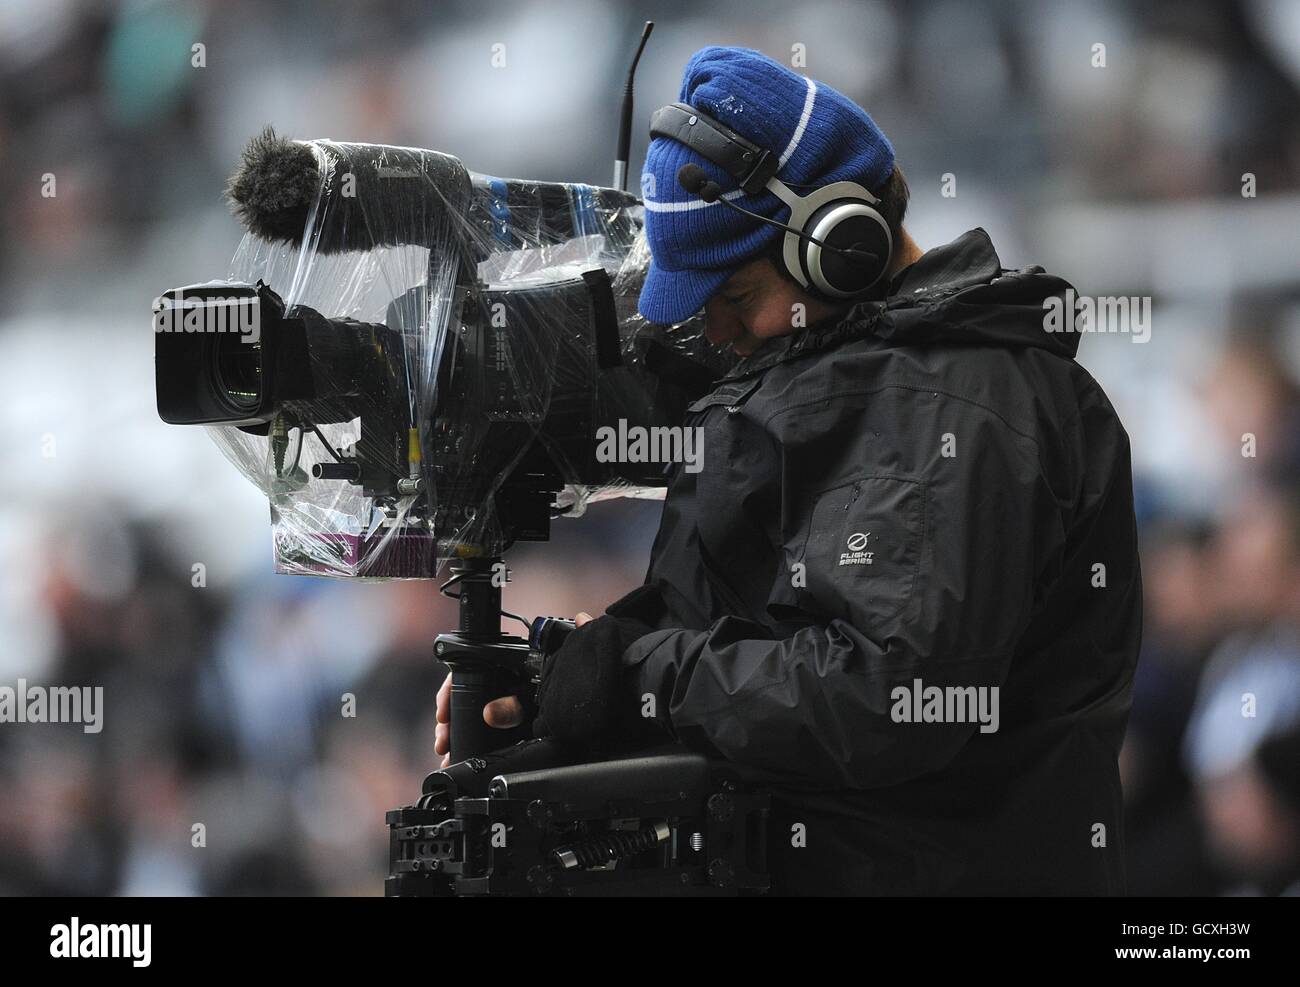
[{"x": 857, "y": 553}]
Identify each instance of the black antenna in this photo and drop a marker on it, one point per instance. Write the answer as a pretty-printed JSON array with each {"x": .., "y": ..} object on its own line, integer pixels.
[{"x": 625, "y": 121}]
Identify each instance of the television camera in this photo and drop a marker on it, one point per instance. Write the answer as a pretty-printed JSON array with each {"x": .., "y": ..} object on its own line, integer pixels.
[{"x": 414, "y": 362}]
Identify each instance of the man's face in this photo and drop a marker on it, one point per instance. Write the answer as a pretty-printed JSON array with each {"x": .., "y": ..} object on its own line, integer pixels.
[{"x": 757, "y": 304}]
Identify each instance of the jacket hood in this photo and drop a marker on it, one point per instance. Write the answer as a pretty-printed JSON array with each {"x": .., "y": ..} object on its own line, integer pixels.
[
  {"x": 959, "y": 293},
  {"x": 954, "y": 295}
]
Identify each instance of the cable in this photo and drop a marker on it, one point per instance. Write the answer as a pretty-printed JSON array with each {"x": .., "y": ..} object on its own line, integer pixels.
[
  {"x": 297, "y": 453},
  {"x": 523, "y": 620},
  {"x": 320, "y": 435},
  {"x": 443, "y": 589}
]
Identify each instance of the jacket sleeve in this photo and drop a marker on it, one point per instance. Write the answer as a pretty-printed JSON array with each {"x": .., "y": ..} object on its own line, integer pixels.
[{"x": 919, "y": 572}]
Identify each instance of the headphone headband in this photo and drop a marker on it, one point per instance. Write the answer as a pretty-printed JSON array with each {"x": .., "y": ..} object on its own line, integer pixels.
[
  {"x": 830, "y": 230},
  {"x": 751, "y": 165}
]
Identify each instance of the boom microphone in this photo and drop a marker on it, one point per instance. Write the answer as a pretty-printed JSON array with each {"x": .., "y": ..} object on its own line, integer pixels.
[
  {"x": 373, "y": 195},
  {"x": 693, "y": 179}
]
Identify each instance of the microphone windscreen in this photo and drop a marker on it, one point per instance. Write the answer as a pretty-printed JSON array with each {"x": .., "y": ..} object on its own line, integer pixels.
[
  {"x": 710, "y": 191},
  {"x": 274, "y": 186},
  {"x": 692, "y": 178},
  {"x": 369, "y": 195}
]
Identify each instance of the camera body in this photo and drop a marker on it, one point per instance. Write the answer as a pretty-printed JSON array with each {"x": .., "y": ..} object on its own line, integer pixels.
[
  {"x": 232, "y": 354},
  {"x": 447, "y": 350}
]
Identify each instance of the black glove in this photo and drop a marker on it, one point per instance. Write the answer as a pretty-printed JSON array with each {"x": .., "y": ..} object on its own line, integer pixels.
[{"x": 586, "y": 695}]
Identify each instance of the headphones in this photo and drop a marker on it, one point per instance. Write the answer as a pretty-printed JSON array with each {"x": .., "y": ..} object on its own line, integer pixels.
[{"x": 837, "y": 244}]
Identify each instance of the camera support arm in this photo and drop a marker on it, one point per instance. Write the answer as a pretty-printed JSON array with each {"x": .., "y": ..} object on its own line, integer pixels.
[{"x": 485, "y": 663}]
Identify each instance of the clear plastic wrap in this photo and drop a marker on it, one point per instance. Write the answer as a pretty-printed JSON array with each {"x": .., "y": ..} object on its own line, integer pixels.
[{"x": 469, "y": 338}]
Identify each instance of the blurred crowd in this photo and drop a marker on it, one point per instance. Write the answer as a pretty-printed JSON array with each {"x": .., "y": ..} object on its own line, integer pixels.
[{"x": 229, "y": 763}]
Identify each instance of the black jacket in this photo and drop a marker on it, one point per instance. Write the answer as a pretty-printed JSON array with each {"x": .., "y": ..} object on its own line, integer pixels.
[{"x": 924, "y": 490}]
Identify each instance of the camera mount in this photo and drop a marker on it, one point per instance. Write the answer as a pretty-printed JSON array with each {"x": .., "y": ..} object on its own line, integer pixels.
[{"x": 485, "y": 664}]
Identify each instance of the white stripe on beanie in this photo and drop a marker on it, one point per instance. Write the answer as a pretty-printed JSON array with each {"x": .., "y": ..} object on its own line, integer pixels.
[
  {"x": 690, "y": 204},
  {"x": 803, "y": 124}
]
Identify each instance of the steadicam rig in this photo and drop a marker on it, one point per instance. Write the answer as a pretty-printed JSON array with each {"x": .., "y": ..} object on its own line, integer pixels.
[
  {"x": 538, "y": 819},
  {"x": 527, "y": 821}
]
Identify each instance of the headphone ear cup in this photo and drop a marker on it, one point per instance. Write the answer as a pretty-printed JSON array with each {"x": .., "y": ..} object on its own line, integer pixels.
[
  {"x": 846, "y": 224},
  {"x": 796, "y": 261}
]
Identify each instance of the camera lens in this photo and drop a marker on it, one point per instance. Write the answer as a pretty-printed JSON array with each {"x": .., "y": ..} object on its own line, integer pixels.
[{"x": 237, "y": 368}]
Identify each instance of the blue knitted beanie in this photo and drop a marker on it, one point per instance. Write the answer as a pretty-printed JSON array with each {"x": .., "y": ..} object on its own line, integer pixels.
[{"x": 821, "y": 136}]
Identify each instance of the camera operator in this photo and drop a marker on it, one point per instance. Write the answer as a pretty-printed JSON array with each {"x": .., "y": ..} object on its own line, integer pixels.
[{"x": 909, "y": 499}]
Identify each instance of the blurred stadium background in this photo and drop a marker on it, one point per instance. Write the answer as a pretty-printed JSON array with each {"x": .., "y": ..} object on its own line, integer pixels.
[{"x": 222, "y": 703}]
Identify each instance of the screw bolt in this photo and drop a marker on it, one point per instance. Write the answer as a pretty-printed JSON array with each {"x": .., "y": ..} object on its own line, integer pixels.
[{"x": 721, "y": 808}]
